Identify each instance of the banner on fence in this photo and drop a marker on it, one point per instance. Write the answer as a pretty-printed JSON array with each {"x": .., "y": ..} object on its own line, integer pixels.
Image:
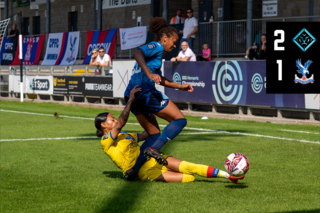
[
  {"x": 62, "y": 48},
  {"x": 32, "y": 47},
  {"x": 68, "y": 85},
  {"x": 14, "y": 83},
  {"x": 39, "y": 85},
  {"x": 97, "y": 39},
  {"x": 231, "y": 82},
  {"x": 122, "y": 71},
  {"x": 312, "y": 101},
  {"x": 133, "y": 37},
  {"x": 8, "y": 50},
  {"x": 99, "y": 86}
]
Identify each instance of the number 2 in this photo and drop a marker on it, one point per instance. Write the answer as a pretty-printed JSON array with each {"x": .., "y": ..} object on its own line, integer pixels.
[
  {"x": 279, "y": 62},
  {"x": 277, "y": 41}
]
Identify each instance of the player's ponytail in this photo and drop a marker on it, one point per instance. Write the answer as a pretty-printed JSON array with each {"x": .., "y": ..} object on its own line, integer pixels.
[
  {"x": 102, "y": 117},
  {"x": 159, "y": 26}
]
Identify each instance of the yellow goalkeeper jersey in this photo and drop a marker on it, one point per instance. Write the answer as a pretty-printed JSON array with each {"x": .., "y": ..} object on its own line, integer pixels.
[{"x": 123, "y": 150}]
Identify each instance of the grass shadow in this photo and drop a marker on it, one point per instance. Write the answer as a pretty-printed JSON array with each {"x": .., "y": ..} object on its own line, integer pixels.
[
  {"x": 302, "y": 211},
  {"x": 113, "y": 174},
  {"x": 237, "y": 186}
]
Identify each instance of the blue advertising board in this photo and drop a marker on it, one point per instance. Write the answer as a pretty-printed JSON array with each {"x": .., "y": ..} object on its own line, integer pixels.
[{"x": 226, "y": 82}]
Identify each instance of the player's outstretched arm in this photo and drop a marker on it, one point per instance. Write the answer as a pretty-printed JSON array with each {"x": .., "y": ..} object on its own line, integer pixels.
[
  {"x": 123, "y": 118},
  {"x": 139, "y": 57},
  {"x": 167, "y": 83}
]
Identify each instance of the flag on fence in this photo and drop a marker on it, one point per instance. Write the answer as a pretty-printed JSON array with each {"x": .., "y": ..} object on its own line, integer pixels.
[
  {"x": 8, "y": 50},
  {"x": 32, "y": 47},
  {"x": 133, "y": 37},
  {"x": 97, "y": 39},
  {"x": 62, "y": 48}
]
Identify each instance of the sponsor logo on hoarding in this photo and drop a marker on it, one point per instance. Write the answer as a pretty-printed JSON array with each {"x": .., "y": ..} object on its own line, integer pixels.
[
  {"x": 39, "y": 84},
  {"x": 59, "y": 82},
  {"x": 98, "y": 87},
  {"x": 257, "y": 83},
  {"x": 231, "y": 73},
  {"x": 176, "y": 78},
  {"x": 193, "y": 81}
]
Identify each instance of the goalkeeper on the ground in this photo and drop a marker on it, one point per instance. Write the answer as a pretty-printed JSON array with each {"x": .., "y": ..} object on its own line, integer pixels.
[{"x": 123, "y": 149}]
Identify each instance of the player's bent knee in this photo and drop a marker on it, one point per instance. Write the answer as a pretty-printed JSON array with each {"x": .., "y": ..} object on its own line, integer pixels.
[
  {"x": 188, "y": 178},
  {"x": 182, "y": 121}
]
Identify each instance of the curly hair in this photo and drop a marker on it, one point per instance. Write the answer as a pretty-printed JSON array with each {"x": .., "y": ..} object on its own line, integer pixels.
[{"x": 159, "y": 26}]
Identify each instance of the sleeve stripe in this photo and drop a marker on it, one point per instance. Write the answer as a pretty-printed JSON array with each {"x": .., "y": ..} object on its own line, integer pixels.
[
  {"x": 111, "y": 136},
  {"x": 138, "y": 137}
]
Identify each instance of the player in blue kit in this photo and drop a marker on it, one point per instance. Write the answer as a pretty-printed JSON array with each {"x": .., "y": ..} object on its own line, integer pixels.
[{"x": 150, "y": 102}]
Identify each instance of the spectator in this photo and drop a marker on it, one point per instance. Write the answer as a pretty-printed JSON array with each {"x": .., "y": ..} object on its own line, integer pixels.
[
  {"x": 206, "y": 53},
  {"x": 94, "y": 61},
  {"x": 94, "y": 58},
  {"x": 14, "y": 34},
  {"x": 103, "y": 58},
  {"x": 185, "y": 54},
  {"x": 258, "y": 51},
  {"x": 190, "y": 28},
  {"x": 178, "y": 19}
]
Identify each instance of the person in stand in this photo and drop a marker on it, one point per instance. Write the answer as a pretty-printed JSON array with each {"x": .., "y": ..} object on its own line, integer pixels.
[
  {"x": 14, "y": 34},
  {"x": 185, "y": 54},
  {"x": 94, "y": 58},
  {"x": 103, "y": 58},
  {"x": 124, "y": 150},
  {"x": 190, "y": 29},
  {"x": 178, "y": 19},
  {"x": 206, "y": 53},
  {"x": 258, "y": 51}
]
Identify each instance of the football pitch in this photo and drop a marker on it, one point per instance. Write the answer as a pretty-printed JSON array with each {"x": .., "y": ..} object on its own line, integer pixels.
[{"x": 57, "y": 165}]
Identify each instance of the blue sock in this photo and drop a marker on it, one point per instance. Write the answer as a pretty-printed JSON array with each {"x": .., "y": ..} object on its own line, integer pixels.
[
  {"x": 170, "y": 132},
  {"x": 141, "y": 159}
]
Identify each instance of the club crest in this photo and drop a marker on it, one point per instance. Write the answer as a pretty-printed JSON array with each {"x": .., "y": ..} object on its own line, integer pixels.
[{"x": 303, "y": 69}]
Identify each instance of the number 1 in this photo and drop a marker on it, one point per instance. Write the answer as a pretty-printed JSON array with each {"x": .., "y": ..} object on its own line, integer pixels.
[{"x": 279, "y": 62}]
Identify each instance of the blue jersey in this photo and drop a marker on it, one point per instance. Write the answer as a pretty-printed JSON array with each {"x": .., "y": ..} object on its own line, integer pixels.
[{"x": 153, "y": 53}]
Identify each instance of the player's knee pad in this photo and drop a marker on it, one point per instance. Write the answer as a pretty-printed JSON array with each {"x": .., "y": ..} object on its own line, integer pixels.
[{"x": 188, "y": 178}]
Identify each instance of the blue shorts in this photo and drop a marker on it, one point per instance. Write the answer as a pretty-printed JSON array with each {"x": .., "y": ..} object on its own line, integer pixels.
[{"x": 148, "y": 105}]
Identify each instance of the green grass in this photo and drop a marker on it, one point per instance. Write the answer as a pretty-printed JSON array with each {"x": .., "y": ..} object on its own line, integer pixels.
[{"x": 76, "y": 176}]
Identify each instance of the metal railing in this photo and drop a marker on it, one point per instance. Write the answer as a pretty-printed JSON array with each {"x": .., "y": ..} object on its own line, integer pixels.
[
  {"x": 54, "y": 70},
  {"x": 228, "y": 38}
]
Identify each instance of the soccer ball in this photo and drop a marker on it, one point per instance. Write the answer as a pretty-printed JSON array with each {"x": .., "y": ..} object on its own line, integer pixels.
[{"x": 237, "y": 164}]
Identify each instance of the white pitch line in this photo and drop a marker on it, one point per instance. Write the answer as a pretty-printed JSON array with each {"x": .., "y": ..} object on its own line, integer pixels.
[
  {"x": 288, "y": 130},
  {"x": 89, "y": 137},
  {"x": 190, "y": 128},
  {"x": 42, "y": 139}
]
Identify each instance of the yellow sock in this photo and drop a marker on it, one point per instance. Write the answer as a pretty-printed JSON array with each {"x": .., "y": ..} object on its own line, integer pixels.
[
  {"x": 223, "y": 174},
  {"x": 201, "y": 170},
  {"x": 188, "y": 178},
  {"x": 191, "y": 168}
]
